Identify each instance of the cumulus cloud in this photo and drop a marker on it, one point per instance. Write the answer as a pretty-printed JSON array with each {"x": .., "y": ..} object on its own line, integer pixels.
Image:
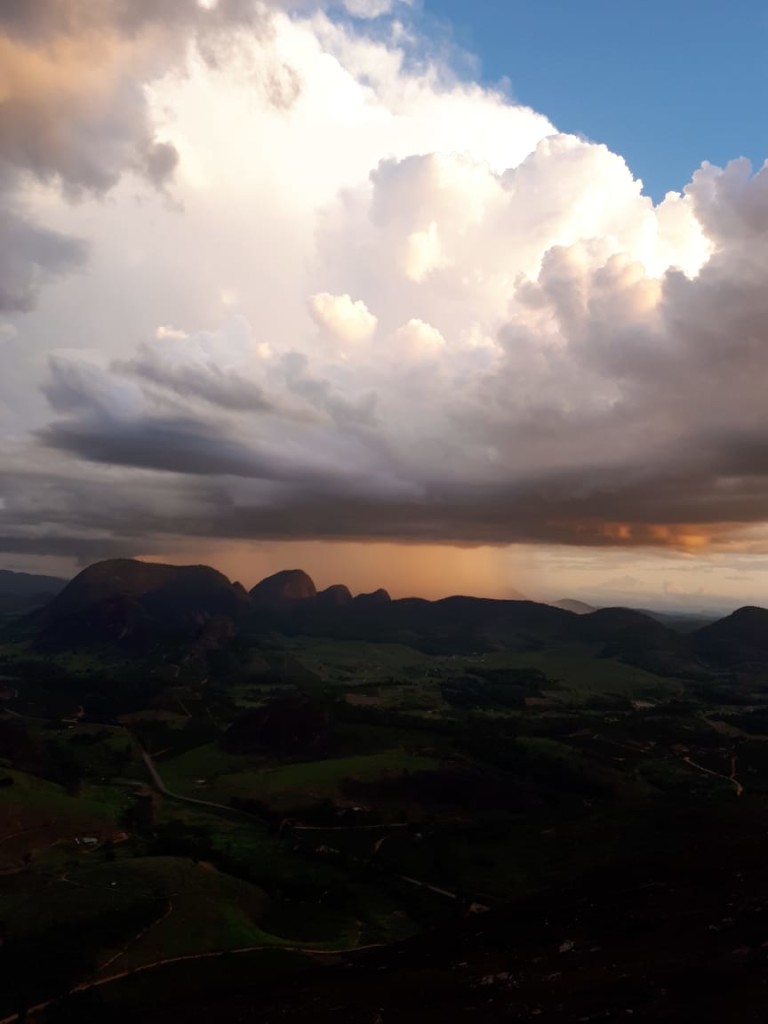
[
  {"x": 74, "y": 108},
  {"x": 369, "y": 301},
  {"x": 347, "y": 320}
]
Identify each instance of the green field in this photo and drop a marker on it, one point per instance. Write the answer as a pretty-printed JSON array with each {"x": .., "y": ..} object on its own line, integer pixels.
[
  {"x": 36, "y": 815},
  {"x": 357, "y": 662},
  {"x": 182, "y": 908},
  {"x": 98, "y": 920},
  {"x": 228, "y": 776},
  {"x": 482, "y": 777},
  {"x": 301, "y": 908},
  {"x": 401, "y": 678}
]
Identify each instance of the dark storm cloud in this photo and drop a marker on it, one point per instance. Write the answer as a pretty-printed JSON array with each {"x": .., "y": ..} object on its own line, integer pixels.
[
  {"x": 209, "y": 383},
  {"x": 172, "y": 445}
]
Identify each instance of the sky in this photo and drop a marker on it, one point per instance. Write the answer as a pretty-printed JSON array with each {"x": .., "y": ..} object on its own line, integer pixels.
[
  {"x": 666, "y": 85},
  {"x": 434, "y": 297}
]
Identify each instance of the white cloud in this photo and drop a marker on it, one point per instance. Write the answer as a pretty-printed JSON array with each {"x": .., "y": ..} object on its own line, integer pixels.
[
  {"x": 418, "y": 340},
  {"x": 368, "y": 8},
  {"x": 347, "y": 320},
  {"x": 174, "y": 333}
]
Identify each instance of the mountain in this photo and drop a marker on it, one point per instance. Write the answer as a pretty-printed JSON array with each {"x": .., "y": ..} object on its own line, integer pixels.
[
  {"x": 26, "y": 584},
  {"x": 738, "y": 639},
  {"x": 682, "y": 622},
  {"x": 121, "y": 598},
  {"x": 373, "y": 600},
  {"x": 639, "y": 639},
  {"x": 454, "y": 624},
  {"x": 283, "y": 588},
  {"x": 337, "y": 596},
  {"x": 609, "y": 623},
  {"x": 568, "y": 604},
  {"x": 23, "y": 591},
  {"x": 124, "y": 600}
]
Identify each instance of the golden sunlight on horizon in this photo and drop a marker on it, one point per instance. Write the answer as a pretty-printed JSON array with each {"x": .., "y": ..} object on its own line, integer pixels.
[
  {"x": 405, "y": 570},
  {"x": 649, "y": 578}
]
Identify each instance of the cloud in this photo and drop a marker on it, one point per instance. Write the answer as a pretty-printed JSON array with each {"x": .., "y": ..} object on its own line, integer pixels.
[
  {"x": 368, "y": 8},
  {"x": 29, "y": 257},
  {"x": 347, "y": 320},
  {"x": 74, "y": 112},
  {"x": 359, "y": 298},
  {"x": 418, "y": 341},
  {"x": 217, "y": 367}
]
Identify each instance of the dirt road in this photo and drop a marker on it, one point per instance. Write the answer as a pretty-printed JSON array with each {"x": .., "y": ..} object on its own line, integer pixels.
[{"x": 718, "y": 775}]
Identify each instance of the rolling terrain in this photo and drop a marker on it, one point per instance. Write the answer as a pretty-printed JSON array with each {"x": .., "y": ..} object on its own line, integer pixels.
[{"x": 206, "y": 793}]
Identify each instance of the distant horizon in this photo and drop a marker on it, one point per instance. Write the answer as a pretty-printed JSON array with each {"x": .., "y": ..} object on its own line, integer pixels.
[{"x": 633, "y": 602}]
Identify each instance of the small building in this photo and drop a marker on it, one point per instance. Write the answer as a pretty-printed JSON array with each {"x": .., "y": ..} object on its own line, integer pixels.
[{"x": 90, "y": 841}]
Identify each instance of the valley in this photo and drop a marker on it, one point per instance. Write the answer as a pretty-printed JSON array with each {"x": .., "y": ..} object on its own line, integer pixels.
[{"x": 251, "y": 790}]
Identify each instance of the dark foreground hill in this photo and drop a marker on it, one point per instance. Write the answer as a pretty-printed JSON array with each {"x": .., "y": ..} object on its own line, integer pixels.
[
  {"x": 675, "y": 938},
  {"x": 569, "y": 604},
  {"x": 738, "y": 639},
  {"x": 123, "y": 599}
]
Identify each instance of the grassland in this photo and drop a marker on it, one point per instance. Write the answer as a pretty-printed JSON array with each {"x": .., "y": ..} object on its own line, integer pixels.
[
  {"x": 533, "y": 794},
  {"x": 37, "y": 815},
  {"x": 228, "y": 776},
  {"x": 402, "y": 678},
  {"x": 356, "y": 662},
  {"x": 181, "y": 909},
  {"x": 304, "y": 889},
  {"x": 581, "y": 674}
]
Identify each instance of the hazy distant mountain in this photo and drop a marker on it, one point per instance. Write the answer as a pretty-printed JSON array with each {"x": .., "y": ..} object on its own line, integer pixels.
[
  {"x": 23, "y": 591},
  {"x": 568, "y": 604},
  {"x": 25, "y": 584},
  {"x": 682, "y": 622}
]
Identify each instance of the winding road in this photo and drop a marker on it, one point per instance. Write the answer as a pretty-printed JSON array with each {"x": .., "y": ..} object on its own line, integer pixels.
[
  {"x": 85, "y": 985},
  {"x": 718, "y": 775},
  {"x": 161, "y": 787}
]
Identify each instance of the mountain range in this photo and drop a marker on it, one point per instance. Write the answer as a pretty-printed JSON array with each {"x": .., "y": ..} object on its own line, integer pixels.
[{"x": 132, "y": 603}]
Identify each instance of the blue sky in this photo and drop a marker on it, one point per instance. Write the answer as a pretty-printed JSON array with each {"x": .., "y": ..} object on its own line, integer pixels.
[{"x": 666, "y": 84}]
